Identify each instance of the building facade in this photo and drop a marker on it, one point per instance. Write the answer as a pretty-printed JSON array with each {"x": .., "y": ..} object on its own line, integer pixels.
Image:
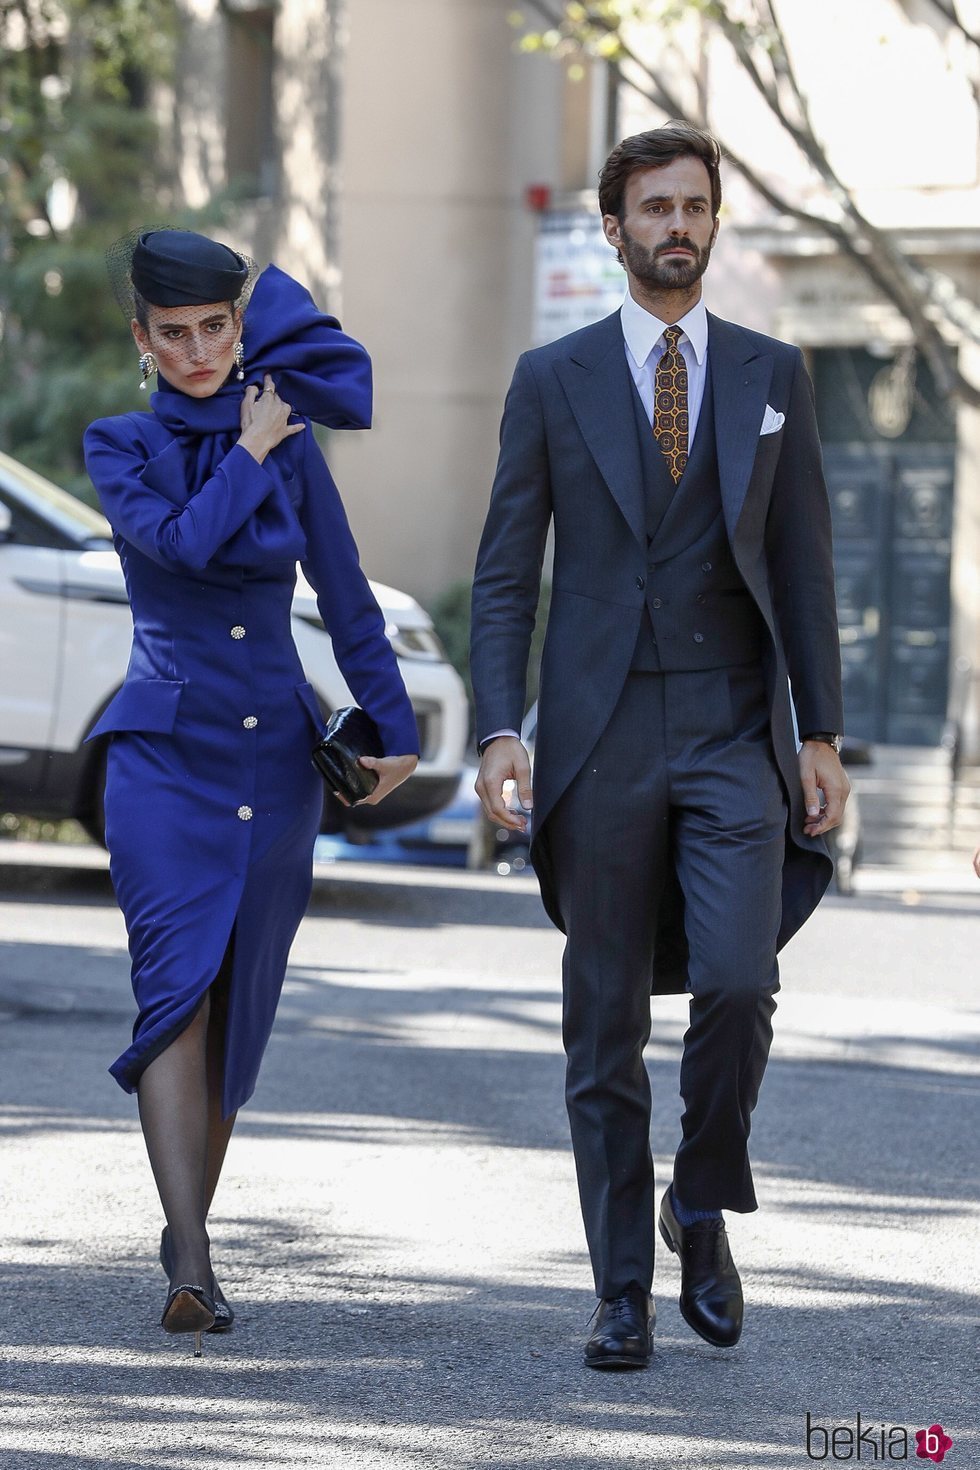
[
  {"x": 381, "y": 152},
  {"x": 411, "y": 165}
]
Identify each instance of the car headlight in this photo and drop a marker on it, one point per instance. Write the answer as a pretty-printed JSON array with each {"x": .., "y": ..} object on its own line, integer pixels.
[{"x": 419, "y": 643}]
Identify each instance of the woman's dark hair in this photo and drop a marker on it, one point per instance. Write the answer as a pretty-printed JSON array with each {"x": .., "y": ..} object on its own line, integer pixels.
[
  {"x": 141, "y": 309},
  {"x": 654, "y": 149}
]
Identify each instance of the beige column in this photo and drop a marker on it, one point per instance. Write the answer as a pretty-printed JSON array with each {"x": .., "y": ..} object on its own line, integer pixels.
[
  {"x": 307, "y": 85},
  {"x": 443, "y": 127}
]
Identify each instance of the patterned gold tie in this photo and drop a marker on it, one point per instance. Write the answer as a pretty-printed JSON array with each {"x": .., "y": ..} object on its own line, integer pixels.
[{"x": 670, "y": 405}]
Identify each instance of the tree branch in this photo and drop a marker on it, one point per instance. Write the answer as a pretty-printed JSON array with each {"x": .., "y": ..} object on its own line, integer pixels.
[
  {"x": 948, "y": 9},
  {"x": 900, "y": 280}
]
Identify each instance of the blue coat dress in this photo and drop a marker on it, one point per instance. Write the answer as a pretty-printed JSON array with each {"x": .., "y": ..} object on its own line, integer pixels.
[{"x": 212, "y": 804}]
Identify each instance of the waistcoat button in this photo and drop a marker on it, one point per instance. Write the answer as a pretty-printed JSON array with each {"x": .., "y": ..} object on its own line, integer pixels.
[
  {"x": 250, "y": 722},
  {"x": 238, "y": 631},
  {"x": 706, "y": 566},
  {"x": 657, "y": 602},
  {"x": 640, "y": 583},
  {"x": 699, "y": 637},
  {"x": 244, "y": 813}
]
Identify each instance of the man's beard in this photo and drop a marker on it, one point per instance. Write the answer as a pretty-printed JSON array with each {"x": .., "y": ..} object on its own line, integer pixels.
[{"x": 659, "y": 274}]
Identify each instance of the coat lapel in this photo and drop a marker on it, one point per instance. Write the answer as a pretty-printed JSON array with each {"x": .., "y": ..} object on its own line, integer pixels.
[
  {"x": 597, "y": 383},
  {"x": 740, "y": 376}
]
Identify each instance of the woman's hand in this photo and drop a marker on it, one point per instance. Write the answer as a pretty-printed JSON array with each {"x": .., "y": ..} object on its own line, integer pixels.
[
  {"x": 392, "y": 771},
  {"x": 265, "y": 420}
]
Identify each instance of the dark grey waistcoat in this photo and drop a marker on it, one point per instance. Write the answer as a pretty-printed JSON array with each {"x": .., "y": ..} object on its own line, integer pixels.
[{"x": 699, "y": 612}]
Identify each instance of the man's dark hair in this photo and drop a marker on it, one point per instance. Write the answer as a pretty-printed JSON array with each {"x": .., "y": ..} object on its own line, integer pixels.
[{"x": 654, "y": 149}]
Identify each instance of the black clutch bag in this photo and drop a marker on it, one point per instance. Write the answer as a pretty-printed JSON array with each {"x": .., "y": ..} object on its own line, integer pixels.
[{"x": 351, "y": 733}]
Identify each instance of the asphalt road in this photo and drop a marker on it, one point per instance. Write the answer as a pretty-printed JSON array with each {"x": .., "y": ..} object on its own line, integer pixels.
[{"x": 398, "y": 1224}]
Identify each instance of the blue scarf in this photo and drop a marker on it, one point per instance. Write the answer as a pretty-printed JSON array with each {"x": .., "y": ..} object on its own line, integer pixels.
[{"x": 322, "y": 373}]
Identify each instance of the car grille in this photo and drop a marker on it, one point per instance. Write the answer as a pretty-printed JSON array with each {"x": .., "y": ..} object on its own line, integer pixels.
[{"x": 428, "y": 717}]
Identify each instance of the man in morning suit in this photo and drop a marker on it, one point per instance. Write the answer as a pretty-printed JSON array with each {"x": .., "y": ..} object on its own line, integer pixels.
[{"x": 678, "y": 824}]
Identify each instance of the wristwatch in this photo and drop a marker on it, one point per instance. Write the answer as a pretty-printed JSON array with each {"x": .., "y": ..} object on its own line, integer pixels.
[{"x": 826, "y": 738}]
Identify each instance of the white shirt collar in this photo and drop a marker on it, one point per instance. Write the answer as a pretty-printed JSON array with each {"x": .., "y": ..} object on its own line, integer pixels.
[{"x": 643, "y": 330}]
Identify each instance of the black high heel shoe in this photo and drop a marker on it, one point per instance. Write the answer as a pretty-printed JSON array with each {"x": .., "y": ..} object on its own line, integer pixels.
[
  {"x": 223, "y": 1314},
  {"x": 189, "y": 1309}
]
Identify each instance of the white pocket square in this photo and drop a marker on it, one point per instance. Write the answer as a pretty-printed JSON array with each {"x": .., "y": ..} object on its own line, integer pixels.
[{"x": 772, "y": 421}]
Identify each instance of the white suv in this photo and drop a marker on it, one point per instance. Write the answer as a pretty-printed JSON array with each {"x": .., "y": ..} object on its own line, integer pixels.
[{"x": 65, "y": 636}]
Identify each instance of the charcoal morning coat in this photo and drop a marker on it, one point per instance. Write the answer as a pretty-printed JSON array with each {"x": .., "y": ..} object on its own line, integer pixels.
[
  {"x": 566, "y": 459},
  {"x": 212, "y": 804}
]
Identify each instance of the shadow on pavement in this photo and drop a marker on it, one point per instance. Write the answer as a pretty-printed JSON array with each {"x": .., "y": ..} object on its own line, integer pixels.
[
  {"x": 421, "y": 895},
  {"x": 369, "y": 1052},
  {"x": 338, "y": 1360},
  {"x": 476, "y": 1373}
]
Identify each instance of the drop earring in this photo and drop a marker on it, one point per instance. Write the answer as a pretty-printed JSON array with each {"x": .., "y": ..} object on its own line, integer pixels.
[
  {"x": 148, "y": 366},
  {"x": 240, "y": 359}
]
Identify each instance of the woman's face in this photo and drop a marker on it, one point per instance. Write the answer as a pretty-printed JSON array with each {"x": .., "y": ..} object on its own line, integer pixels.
[{"x": 194, "y": 345}]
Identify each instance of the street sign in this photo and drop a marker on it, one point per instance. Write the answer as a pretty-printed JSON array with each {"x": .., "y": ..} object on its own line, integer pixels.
[{"x": 578, "y": 279}]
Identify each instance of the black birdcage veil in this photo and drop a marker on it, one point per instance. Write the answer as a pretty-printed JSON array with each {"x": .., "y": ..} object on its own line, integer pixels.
[
  {"x": 179, "y": 285},
  {"x": 119, "y": 264}
]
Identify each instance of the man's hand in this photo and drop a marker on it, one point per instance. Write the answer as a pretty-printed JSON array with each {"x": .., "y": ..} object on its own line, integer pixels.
[
  {"x": 505, "y": 759},
  {"x": 821, "y": 770}
]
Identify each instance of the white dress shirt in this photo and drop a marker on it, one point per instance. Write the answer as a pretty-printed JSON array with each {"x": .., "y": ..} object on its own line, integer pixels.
[
  {"x": 643, "y": 336},
  {"x": 645, "y": 346}
]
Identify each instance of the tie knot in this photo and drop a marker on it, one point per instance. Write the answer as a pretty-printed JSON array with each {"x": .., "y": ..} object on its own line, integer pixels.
[{"x": 672, "y": 335}]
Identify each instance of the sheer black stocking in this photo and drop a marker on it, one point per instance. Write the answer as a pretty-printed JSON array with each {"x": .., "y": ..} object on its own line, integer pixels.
[
  {"x": 185, "y": 1135},
  {"x": 219, "y": 1128}
]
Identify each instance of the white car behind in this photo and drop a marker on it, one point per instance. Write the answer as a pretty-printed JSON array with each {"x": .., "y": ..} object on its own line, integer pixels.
[{"x": 65, "y": 637}]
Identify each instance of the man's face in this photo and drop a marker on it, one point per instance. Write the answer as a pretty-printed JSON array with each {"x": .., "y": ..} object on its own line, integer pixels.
[{"x": 667, "y": 229}]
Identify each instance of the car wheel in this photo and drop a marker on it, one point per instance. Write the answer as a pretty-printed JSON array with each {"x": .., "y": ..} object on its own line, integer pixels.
[{"x": 92, "y": 818}]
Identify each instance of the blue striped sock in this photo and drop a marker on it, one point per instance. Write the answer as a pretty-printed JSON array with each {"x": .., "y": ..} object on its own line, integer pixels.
[{"x": 690, "y": 1217}]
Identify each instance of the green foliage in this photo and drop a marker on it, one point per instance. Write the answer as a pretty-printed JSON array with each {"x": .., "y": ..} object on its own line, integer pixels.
[
  {"x": 64, "y": 355},
  {"x": 76, "y": 129},
  {"x": 600, "y": 30},
  {"x": 73, "y": 97},
  {"x": 18, "y": 828},
  {"x": 450, "y": 613}
]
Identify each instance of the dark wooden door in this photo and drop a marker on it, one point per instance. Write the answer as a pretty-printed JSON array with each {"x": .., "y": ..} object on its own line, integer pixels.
[{"x": 893, "y": 511}]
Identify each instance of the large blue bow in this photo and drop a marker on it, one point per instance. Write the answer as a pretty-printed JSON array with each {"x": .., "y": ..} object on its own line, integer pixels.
[{"x": 321, "y": 372}]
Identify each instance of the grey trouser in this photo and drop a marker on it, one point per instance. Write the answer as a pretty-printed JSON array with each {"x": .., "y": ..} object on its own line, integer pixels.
[{"x": 683, "y": 772}]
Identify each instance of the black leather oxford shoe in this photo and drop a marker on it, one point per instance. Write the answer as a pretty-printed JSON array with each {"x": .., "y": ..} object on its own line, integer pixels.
[
  {"x": 622, "y": 1331},
  {"x": 711, "y": 1292}
]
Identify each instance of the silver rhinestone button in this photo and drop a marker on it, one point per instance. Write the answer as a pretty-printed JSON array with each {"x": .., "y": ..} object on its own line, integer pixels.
[
  {"x": 250, "y": 722},
  {"x": 245, "y": 813},
  {"x": 238, "y": 631}
]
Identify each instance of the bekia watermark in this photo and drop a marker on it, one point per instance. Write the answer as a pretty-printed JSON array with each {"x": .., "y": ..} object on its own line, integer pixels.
[{"x": 867, "y": 1441}]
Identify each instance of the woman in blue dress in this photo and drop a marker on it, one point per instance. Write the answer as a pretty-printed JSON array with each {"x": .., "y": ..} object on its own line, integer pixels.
[{"x": 212, "y": 803}]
